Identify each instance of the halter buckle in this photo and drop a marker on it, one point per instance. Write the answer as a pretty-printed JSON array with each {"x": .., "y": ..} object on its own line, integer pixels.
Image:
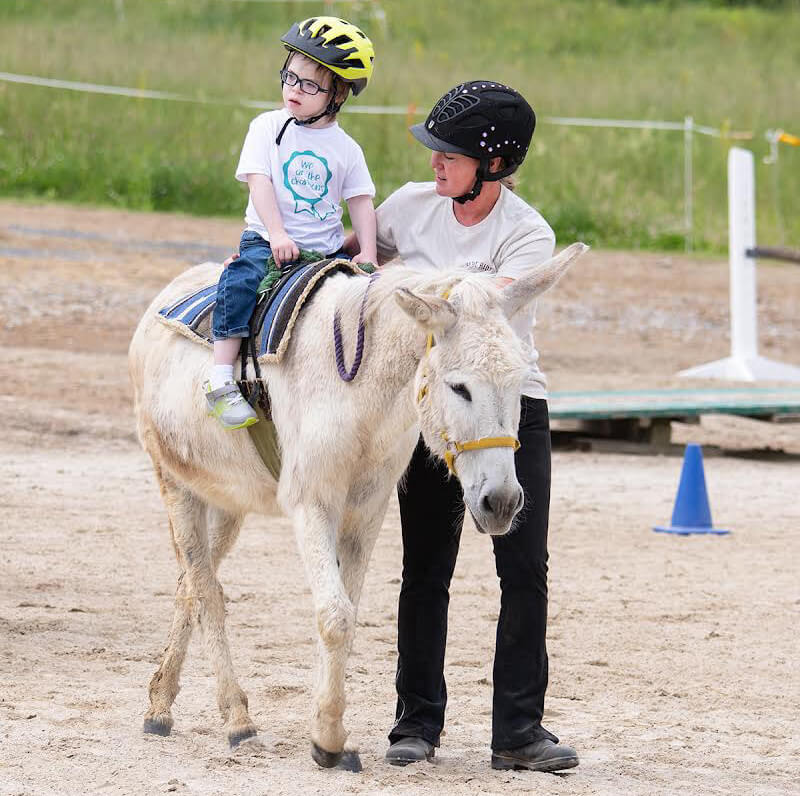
[{"x": 451, "y": 450}]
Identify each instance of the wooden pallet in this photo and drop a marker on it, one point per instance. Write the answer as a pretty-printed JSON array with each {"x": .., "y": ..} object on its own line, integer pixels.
[{"x": 644, "y": 416}]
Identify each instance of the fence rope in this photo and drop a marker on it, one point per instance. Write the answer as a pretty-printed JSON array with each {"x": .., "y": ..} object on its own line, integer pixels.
[
  {"x": 388, "y": 110},
  {"x": 687, "y": 126}
]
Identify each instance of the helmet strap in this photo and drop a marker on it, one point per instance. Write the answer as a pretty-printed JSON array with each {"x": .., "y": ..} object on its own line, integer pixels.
[
  {"x": 498, "y": 175},
  {"x": 483, "y": 175}
]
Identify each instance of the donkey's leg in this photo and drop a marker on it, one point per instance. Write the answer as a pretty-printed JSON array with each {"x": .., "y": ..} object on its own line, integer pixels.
[
  {"x": 353, "y": 551},
  {"x": 164, "y": 685},
  {"x": 200, "y": 598},
  {"x": 223, "y": 530},
  {"x": 316, "y": 538}
]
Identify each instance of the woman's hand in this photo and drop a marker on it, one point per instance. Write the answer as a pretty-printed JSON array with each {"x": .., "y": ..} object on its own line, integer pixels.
[
  {"x": 230, "y": 259},
  {"x": 350, "y": 244},
  {"x": 284, "y": 249}
]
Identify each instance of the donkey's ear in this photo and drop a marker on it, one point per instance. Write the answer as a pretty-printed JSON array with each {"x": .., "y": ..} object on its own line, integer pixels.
[
  {"x": 540, "y": 278},
  {"x": 433, "y": 313}
]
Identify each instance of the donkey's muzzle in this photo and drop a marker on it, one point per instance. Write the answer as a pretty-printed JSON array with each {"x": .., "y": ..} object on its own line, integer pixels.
[{"x": 499, "y": 506}]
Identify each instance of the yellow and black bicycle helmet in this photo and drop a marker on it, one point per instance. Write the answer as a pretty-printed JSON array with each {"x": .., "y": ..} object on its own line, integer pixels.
[{"x": 337, "y": 44}]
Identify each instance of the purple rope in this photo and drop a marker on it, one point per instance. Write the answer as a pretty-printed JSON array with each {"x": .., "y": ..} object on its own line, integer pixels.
[{"x": 338, "y": 346}]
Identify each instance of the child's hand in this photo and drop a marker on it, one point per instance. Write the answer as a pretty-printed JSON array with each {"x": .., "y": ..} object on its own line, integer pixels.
[
  {"x": 363, "y": 258},
  {"x": 284, "y": 249}
]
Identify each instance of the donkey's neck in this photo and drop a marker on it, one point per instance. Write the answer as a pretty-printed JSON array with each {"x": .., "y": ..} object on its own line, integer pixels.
[
  {"x": 398, "y": 345},
  {"x": 394, "y": 346}
]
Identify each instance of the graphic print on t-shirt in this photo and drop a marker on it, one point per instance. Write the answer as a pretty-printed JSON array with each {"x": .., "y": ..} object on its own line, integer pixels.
[
  {"x": 479, "y": 265},
  {"x": 306, "y": 176}
]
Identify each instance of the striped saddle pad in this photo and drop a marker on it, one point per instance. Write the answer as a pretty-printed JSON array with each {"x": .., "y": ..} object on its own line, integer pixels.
[{"x": 275, "y": 313}]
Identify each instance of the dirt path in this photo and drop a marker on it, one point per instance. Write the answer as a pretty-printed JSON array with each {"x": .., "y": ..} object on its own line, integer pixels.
[{"x": 673, "y": 660}]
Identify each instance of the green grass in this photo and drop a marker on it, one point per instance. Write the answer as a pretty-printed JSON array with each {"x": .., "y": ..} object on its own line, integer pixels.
[{"x": 736, "y": 67}]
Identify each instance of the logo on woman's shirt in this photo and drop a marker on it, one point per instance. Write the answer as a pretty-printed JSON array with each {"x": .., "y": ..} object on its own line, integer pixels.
[
  {"x": 306, "y": 176},
  {"x": 477, "y": 265}
]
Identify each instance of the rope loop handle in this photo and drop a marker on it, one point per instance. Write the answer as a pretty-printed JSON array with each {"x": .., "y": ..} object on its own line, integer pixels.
[{"x": 338, "y": 345}]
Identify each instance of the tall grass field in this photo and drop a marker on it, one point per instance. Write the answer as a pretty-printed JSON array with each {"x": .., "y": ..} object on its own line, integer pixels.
[{"x": 731, "y": 66}]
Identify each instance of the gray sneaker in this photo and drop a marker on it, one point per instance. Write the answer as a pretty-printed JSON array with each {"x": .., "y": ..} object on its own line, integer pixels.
[{"x": 228, "y": 405}]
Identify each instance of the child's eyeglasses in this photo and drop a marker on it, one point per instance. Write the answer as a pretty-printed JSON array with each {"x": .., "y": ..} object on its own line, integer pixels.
[{"x": 306, "y": 86}]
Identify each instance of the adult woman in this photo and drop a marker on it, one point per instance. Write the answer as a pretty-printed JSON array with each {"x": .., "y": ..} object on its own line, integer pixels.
[{"x": 479, "y": 133}]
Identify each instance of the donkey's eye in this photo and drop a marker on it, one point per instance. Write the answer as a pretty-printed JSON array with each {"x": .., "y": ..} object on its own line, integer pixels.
[{"x": 460, "y": 389}]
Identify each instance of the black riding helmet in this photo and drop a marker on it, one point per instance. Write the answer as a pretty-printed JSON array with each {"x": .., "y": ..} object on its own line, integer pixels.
[{"x": 484, "y": 120}]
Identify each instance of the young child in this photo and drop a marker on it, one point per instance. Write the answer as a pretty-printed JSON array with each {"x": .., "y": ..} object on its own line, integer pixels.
[{"x": 299, "y": 164}]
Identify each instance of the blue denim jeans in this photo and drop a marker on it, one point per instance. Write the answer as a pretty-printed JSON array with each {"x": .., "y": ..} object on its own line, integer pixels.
[
  {"x": 238, "y": 286},
  {"x": 237, "y": 290}
]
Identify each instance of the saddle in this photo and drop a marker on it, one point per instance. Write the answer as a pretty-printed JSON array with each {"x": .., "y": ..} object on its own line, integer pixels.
[
  {"x": 277, "y": 309},
  {"x": 278, "y": 306}
]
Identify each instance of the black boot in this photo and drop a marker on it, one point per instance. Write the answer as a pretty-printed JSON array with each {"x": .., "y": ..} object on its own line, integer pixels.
[
  {"x": 409, "y": 750},
  {"x": 542, "y": 755}
]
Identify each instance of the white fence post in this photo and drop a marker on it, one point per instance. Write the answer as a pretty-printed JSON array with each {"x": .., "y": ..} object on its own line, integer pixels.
[
  {"x": 744, "y": 363},
  {"x": 688, "y": 188},
  {"x": 741, "y": 237}
]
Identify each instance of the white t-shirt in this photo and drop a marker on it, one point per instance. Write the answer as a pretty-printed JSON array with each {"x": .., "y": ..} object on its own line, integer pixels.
[
  {"x": 419, "y": 226},
  {"x": 312, "y": 171}
]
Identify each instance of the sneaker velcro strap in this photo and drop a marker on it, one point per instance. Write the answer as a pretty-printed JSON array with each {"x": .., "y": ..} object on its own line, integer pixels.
[{"x": 226, "y": 389}]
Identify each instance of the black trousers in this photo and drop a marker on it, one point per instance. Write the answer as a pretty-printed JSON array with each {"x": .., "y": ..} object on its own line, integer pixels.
[{"x": 431, "y": 511}]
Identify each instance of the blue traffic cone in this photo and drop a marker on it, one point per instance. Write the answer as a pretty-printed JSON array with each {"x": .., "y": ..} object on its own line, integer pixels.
[{"x": 691, "y": 514}]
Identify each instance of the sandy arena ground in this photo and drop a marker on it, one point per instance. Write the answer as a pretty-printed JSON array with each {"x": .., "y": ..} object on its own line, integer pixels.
[{"x": 673, "y": 660}]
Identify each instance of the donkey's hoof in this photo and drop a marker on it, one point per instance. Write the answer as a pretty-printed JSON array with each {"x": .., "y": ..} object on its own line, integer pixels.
[
  {"x": 235, "y": 737},
  {"x": 323, "y": 758},
  {"x": 350, "y": 761},
  {"x": 157, "y": 725}
]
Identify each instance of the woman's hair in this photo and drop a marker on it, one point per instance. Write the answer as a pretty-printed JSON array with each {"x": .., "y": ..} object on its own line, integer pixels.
[{"x": 510, "y": 182}]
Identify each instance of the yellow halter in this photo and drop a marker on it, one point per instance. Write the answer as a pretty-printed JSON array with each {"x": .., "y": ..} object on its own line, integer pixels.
[{"x": 454, "y": 448}]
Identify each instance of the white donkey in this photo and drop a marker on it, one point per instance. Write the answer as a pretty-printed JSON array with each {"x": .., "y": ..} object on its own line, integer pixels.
[{"x": 344, "y": 447}]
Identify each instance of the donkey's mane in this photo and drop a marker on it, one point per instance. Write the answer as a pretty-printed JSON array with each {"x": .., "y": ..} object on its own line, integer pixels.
[{"x": 471, "y": 291}]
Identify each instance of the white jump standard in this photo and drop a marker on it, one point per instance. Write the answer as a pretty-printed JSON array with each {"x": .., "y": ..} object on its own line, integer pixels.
[{"x": 744, "y": 363}]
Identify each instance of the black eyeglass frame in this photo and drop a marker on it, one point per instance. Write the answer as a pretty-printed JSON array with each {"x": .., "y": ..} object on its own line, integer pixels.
[{"x": 287, "y": 75}]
